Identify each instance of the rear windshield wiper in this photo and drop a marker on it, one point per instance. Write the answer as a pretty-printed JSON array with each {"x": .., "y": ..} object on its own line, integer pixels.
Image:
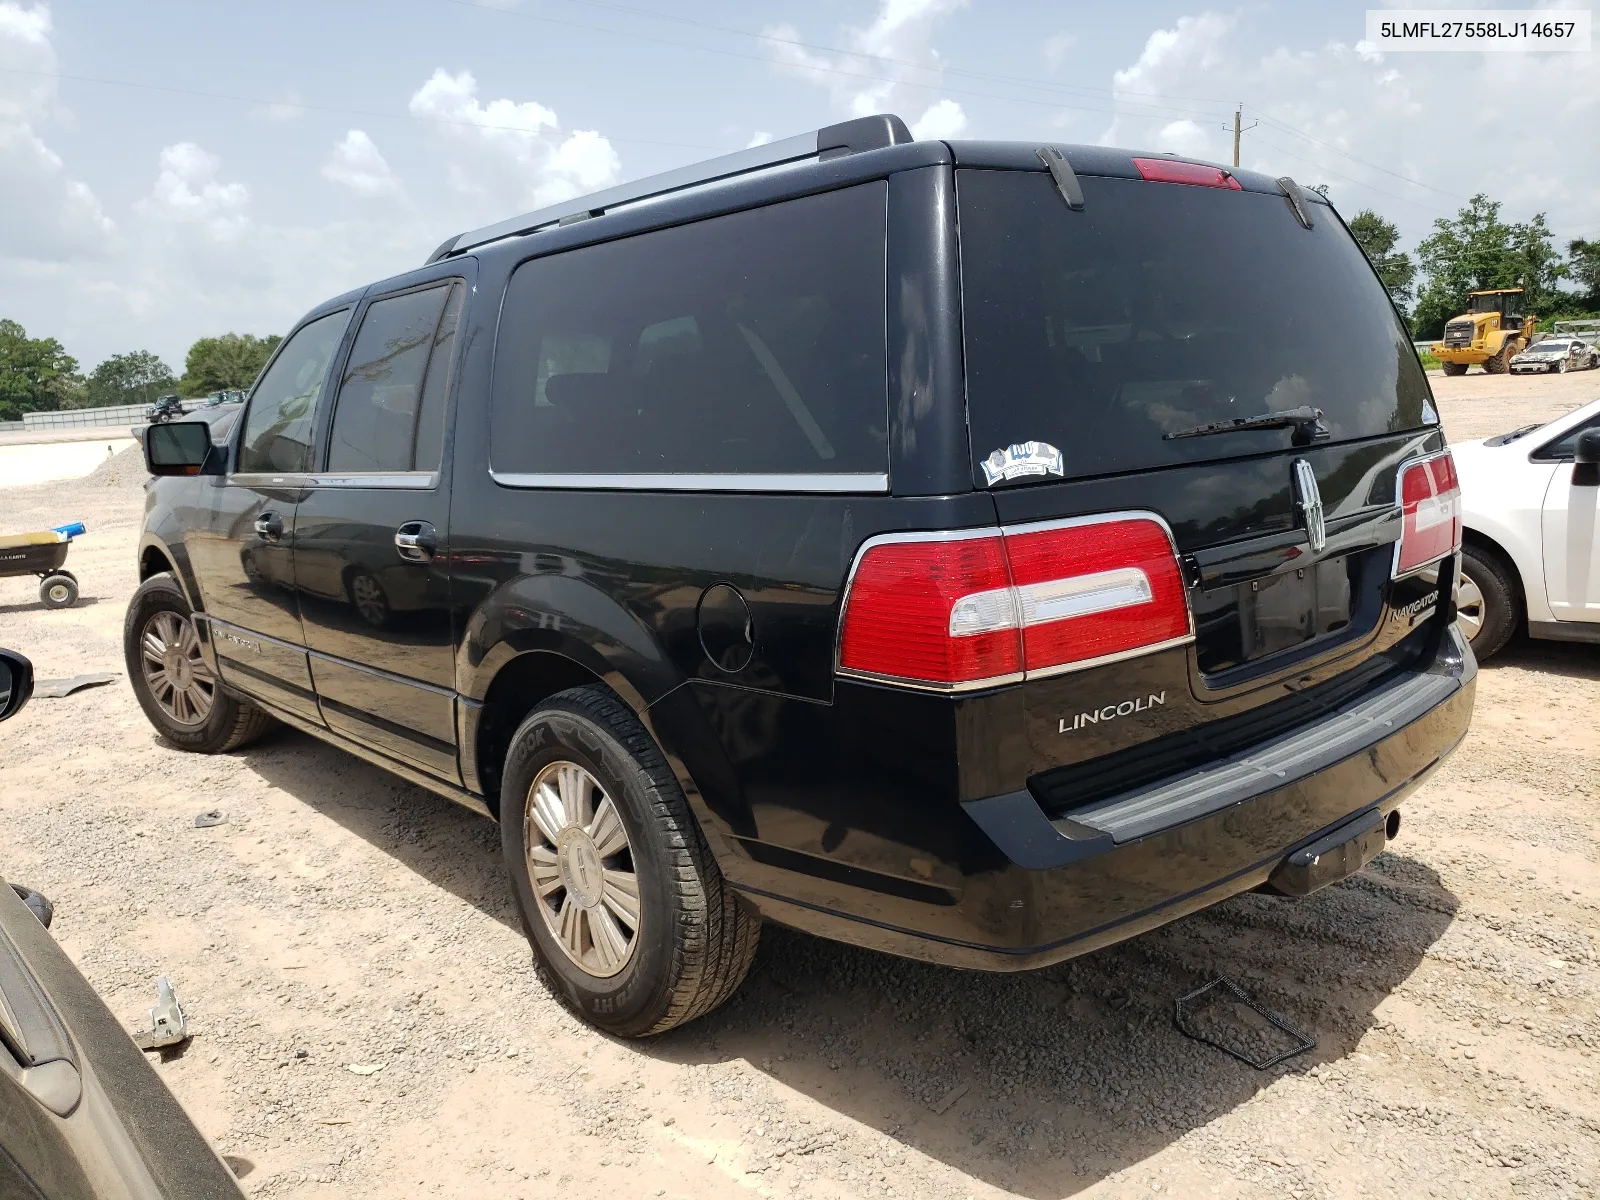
[{"x": 1305, "y": 421}]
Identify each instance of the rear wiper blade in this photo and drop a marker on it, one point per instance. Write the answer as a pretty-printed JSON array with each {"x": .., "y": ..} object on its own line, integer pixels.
[{"x": 1305, "y": 421}]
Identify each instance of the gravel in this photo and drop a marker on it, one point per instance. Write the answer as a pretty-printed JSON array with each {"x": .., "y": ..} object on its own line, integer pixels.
[{"x": 367, "y": 1023}]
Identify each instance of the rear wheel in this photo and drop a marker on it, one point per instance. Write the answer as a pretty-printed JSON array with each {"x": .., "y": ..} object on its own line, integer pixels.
[
  {"x": 631, "y": 922},
  {"x": 174, "y": 684},
  {"x": 1487, "y": 604},
  {"x": 1453, "y": 368},
  {"x": 58, "y": 590}
]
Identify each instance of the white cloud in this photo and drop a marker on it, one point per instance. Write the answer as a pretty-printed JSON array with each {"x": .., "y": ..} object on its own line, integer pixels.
[
  {"x": 512, "y": 152},
  {"x": 1056, "y": 47},
  {"x": 944, "y": 119},
  {"x": 45, "y": 214},
  {"x": 187, "y": 190},
  {"x": 357, "y": 164},
  {"x": 895, "y": 50},
  {"x": 1405, "y": 115},
  {"x": 760, "y": 138}
]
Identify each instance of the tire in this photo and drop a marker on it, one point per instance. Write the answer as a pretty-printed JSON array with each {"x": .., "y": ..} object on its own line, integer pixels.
[
  {"x": 1489, "y": 603},
  {"x": 693, "y": 936},
  {"x": 1453, "y": 368},
  {"x": 1561, "y": 367},
  {"x": 1500, "y": 364},
  {"x": 58, "y": 590},
  {"x": 159, "y": 609}
]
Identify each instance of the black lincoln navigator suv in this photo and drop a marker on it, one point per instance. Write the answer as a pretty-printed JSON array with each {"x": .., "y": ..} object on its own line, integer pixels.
[{"x": 976, "y": 551}]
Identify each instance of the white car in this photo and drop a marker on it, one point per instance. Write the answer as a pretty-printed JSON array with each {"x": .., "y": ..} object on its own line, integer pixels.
[
  {"x": 1557, "y": 354},
  {"x": 1532, "y": 542}
]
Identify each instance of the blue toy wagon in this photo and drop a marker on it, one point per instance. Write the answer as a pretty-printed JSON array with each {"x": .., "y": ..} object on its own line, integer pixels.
[{"x": 42, "y": 554}]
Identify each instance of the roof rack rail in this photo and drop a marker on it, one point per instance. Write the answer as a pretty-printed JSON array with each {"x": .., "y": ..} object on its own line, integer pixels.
[{"x": 848, "y": 137}]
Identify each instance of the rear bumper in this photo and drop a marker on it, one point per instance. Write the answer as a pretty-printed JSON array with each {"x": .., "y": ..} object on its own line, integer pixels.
[{"x": 1057, "y": 889}]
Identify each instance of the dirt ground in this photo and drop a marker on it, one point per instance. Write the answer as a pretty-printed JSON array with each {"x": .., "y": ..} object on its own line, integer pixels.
[{"x": 367, "y": 1023}]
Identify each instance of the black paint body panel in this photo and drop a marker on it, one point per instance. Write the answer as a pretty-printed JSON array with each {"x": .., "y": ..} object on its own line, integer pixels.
[{"x": 840, "y": 806}]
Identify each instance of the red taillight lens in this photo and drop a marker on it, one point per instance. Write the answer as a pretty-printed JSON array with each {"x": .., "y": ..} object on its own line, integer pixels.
[
  {"x": 1430, "y": 512},
  {"x": 1087, "y": 591},
  {"x": 1166, "y": 170},
  {"x": 949, "y": 612},
  {"x": 935, "y": 611}
]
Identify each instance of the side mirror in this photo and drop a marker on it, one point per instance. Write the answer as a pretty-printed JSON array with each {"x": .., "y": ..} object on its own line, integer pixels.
[
  {"x": 1586, "y": 459},
  {"x": 182, "y": 448},
  {"x": 16, "y": 683}
]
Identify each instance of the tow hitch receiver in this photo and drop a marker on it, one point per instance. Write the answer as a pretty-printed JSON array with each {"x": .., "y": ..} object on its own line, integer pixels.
[{"x": 1336, "y": 855}]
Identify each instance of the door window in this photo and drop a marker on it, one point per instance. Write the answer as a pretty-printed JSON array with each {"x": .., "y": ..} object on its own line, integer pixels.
[
  {"x": 751, "y": 343},
  {"x": 1565, "y": 447},
  {"x": 390, "y": 412},
  {"x": 277, "y": 427}
]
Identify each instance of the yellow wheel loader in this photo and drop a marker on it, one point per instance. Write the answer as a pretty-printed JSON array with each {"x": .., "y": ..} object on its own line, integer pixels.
[{"x": 1487, "y": 334}]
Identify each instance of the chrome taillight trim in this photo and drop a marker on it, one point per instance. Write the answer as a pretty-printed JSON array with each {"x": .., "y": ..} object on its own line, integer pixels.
[
  {"x": 1395, "y": 573},
  {"x": 956, "y": 535}
]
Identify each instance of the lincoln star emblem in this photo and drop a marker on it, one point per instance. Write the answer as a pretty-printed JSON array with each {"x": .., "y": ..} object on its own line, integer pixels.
[{"x": 1309, "y": 498}]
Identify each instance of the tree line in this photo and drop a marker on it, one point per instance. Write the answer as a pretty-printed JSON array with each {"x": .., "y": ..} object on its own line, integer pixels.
[
  {"x": 38, "y": 375},
  {"x": 1477, "y": 251}
]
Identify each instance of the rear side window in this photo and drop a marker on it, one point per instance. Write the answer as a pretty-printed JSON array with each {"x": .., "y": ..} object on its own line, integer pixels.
[
  {"x": 1160, "y": 307},
  {"x": 277, "y": 427},
  {"x": 390, "y": 412},
  {"x": 751, "y": 343}
]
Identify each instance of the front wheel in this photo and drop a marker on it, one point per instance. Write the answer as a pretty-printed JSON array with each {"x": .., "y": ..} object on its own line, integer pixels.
[
  {"x": 1561, "y": 366},
  {"x": 173, "y": 682},
  {"x": 1453, "y": 368},
  {"x": 1487, "y": 606},
  {"x": 631, "y": 922}
]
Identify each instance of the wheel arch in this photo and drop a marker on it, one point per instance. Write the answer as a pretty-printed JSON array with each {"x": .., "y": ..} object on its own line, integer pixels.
[
  {"x": 541, "y": 634},
  {"x": 1475, "y": 539},
  {"x": 157, "y": 555}
]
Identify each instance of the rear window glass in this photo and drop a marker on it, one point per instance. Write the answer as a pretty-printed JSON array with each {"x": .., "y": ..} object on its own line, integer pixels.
[
  {"x": 1160, "y": 307},
  {"x": 748, "y": 343}
]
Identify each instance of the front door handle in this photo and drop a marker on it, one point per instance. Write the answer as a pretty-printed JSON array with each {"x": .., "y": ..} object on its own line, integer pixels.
[
  {"x": 416, "y": 541},
  {"x": 269, "y": 525}
]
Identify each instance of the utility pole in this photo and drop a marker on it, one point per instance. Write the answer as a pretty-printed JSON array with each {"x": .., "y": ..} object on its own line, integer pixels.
[{"x": 1238, "y": 129}]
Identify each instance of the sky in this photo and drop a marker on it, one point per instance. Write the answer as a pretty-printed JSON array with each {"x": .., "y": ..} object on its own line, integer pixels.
[{"x": 174, "y": 169}]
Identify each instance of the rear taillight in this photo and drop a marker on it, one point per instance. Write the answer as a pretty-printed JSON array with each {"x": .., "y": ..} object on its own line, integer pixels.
[
  {"x": 959, "y": 611},
  {"x": 1167, "y": 170},
  {"x": 1430, "y": 512}
]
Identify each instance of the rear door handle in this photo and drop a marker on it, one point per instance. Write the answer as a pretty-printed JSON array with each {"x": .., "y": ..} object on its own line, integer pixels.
[
  {"x": 269, "y": 526},
  {"x": 416, "y": 541}
]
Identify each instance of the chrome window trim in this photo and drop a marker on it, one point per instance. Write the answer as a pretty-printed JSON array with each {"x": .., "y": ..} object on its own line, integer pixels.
[
  {"x": 722, "y": 481},
  {"x": 402, "y": 480},
  {"x": 1003, "y": 530}
]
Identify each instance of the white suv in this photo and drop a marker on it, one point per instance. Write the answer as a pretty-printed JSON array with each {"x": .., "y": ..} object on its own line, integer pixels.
[{"x": 1532, "y": 541}]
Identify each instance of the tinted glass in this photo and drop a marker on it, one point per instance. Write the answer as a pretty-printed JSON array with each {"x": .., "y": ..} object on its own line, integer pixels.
[
  {"x": 1160, "y": 307},
  {"x": 436, "y": 388},
  {"x": 277, "y": 428},
  {"x": 752, "y": 342},
  {"x": 1565, "y": 447},
  {"x": 380, "y": 409}
]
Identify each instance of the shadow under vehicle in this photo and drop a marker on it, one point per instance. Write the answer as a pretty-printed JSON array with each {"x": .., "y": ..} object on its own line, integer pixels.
[{"x": 83, "y": 1115}]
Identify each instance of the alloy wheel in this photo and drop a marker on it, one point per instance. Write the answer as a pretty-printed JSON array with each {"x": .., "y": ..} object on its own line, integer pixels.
[
  {"x": 174, "y": 669},
  {"x": 1470, "y": 608},
  {"x": 580, "y": 864}
]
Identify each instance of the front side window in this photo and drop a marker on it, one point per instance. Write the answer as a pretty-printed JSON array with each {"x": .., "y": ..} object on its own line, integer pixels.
[
  {"x": 751, "y": 343},
  {"x": 390, "y": 412},
  {"x": 277, "y": 427},
  {"x": 1565, "y": 447}
]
